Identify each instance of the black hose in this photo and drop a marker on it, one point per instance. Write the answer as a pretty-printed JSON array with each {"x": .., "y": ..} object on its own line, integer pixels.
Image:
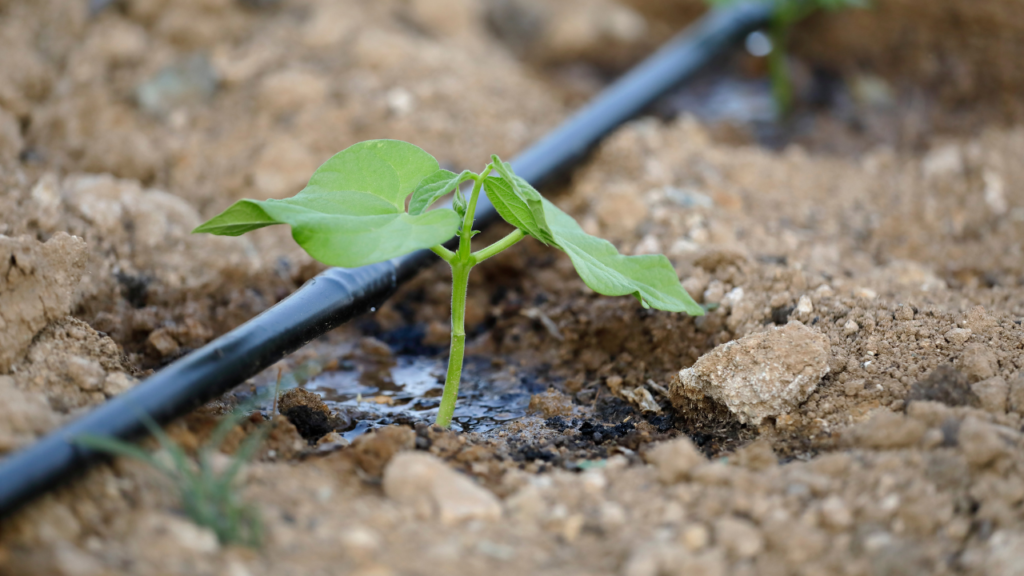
[{"x": 338, "y": 295}]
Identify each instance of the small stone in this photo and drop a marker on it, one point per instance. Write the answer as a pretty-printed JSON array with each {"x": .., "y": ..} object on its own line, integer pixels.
[
  {"x": 992, "y": 393},
  {"x": 804, "y": 307},
  {"x": 434, "y": 490},
  {"x": 850, "y": 328},
  {"x": 904, "y": 313},
  {"x": 760, "y": 375},
  {"x": 739, "y": 537},
  {"x": 958, "y": 336},
  {"x": 675, "y": 459},
  {"x": 375, "y": 349}
]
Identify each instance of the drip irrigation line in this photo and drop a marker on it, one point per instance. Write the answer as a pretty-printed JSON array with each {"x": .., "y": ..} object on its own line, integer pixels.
[{"x": 338, "y": 295}]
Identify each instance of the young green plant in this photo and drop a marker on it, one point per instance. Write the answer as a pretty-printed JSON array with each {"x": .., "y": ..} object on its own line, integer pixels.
[
  {"x": 209, "y": 496},
  {"x": 785, "y": 14},
  {"x": 353, "y": 213}
]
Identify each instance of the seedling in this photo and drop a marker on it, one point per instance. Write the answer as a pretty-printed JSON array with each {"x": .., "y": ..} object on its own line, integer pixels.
[
  {"x": 353, "y": 213},
  {"x": 786, "y": 13},
  {"x": 209, "y": 497}
]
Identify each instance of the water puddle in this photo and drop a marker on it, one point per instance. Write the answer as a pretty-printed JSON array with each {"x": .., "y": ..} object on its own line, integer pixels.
[{"x": 408, "y": 390}]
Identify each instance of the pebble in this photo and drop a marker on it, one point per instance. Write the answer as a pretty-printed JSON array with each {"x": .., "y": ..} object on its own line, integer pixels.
[
  {"x": 760, "y": 375},
  {"x": 850, "y": 328},
  {"x": 291, "y": 90},
  {"x": 434, "y": 490}
]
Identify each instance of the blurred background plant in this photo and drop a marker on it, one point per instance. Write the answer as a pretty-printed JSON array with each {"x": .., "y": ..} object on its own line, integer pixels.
[
  {"x": 785, "y": 14},
  {"x": 207, "y": 485}
]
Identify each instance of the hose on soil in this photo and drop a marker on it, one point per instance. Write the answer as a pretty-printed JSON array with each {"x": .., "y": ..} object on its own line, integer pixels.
[{"x": 338, "y": 295}]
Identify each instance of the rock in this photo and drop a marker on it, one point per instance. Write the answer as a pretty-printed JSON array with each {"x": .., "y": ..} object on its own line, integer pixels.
[
  {"x": 674, "y": 460},
  {"x": 977, "y": 362},
  {"x": 38, "y": 283},
  {"x": 291, "y": 90},
  {"x": 885, "y": 431},
  {"x": 758, "y": 376},
  {"x": 958, "y": 336},
  {"x": 434, "y": 490},
  {"x": 992, "y": 394}
]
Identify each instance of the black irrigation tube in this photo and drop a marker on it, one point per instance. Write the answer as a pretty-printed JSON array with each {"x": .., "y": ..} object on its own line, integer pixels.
[{"x": 338, "y": 295}]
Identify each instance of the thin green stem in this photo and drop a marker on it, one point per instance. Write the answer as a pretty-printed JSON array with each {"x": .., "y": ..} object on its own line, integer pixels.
[
  {"x": 460, "y": 283},
  {"x": 499, "y": 246},
  {"x": 443, "y": 252}
]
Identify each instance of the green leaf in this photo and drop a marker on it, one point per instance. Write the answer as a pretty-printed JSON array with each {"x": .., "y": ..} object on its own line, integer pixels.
[
  {"x": 525, "y": 196},
  {"x": 649, "y": 278},
  {"x": 433, "y": 187},
  {"x": 347, "y": 229},
  {"x": 520, "y": 206},
  {"x": 390, "y": 169}
]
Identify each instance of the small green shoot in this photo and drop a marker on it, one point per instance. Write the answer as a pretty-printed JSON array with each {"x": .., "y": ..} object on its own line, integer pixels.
[
  {"x": 785, "y": 14},
  {"x": 209, "y": 497},
  {"x": 353, "y": 213}
]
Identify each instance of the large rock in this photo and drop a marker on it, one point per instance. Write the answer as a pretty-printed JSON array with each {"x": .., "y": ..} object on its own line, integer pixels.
[{"x": 758, "y": 376}]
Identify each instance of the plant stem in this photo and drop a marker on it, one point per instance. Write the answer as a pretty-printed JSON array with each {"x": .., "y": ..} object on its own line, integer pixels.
[
  {"x": 460, "y": 283},
  {"x": 499, "y": 246}
]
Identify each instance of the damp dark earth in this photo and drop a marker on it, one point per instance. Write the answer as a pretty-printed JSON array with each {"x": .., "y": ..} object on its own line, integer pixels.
[{"x": 852, "y": 403}]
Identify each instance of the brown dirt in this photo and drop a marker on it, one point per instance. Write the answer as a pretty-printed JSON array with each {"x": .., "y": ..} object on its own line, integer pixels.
[{"x": 904, "y": 456}]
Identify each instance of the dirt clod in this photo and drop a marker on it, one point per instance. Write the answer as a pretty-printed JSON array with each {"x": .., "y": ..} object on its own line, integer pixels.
[{"x": 38, "y": 284}]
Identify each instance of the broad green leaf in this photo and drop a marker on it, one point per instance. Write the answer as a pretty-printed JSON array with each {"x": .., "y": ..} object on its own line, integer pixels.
[
  {"x": 390, "y": 169},
  {"x": 347, "y": 229},
  {"x": 433, "y": 187},
  {"x": 650, "y": 278},
  {"x": 521, "y": 201}
]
